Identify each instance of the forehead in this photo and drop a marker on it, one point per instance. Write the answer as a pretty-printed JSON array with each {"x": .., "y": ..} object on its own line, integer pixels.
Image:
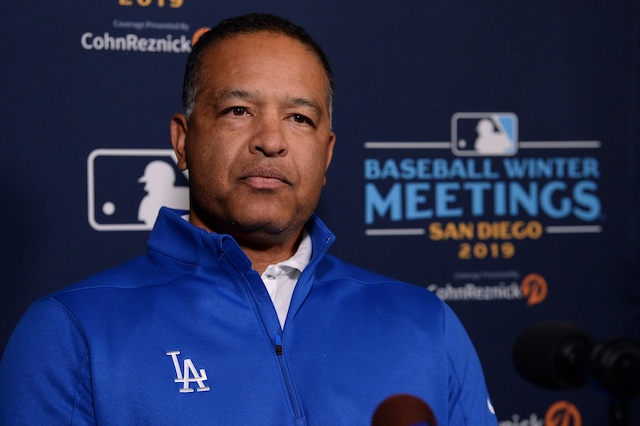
[
  {"x": 246, "y": 41},
  {"x": 262, "y": 55}
]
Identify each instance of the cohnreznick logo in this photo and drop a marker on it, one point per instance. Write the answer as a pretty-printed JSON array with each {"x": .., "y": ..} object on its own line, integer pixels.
[
  {"x": 560, "y": 413},
  {"x": 149, "y": 43},
  {"x": 533, "y": 288},
  {"x": 135, "y": 43}
]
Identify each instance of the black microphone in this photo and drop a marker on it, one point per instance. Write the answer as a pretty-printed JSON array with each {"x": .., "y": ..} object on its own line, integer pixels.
[
  {"x": 403, "y": 410},
  {"x": 554, "y": 355},
  {"x": 560, "y": 355},
  {"x": 615, "y": 364}
]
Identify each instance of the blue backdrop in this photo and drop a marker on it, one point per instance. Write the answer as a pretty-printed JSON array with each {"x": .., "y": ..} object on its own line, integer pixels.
[{"x": 543, "y": 224}]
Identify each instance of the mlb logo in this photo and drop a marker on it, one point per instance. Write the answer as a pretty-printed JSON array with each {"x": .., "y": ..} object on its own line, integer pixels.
[
  {"x": 475, "y": 134},
  {"x": 127, "y": 187}
]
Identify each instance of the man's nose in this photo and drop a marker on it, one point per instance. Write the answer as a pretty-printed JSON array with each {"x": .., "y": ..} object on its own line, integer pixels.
[{"x": 269, "y": 137}]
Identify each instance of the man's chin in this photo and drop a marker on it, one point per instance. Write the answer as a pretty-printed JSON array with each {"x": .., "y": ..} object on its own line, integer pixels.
[
  {"x": 266, "y": 225},
  {"x": 263, "y": 234}
]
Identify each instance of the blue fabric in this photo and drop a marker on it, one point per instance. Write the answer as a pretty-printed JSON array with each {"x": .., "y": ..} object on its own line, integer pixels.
[{"x": 106, "y": 349}]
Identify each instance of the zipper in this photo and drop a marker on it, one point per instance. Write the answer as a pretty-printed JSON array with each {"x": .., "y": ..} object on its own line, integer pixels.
[
  {"x": 280, "y": 351},
  {"x": 297, "y": 410},
  {"x": 287, "y": 379}
]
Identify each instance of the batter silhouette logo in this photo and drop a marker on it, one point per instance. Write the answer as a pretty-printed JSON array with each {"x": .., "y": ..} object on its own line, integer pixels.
[
  {"x": 484, "y": 134},
  {"x": 127, "y": 187},
  {"x": 563, "y": 413}
]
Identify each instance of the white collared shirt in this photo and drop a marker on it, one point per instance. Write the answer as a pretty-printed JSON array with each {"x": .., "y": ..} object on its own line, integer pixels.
[{"x": 280, "y": 279}]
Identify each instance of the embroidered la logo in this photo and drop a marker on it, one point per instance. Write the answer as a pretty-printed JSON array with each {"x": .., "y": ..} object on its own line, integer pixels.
[{"x": 188, "y": 374}]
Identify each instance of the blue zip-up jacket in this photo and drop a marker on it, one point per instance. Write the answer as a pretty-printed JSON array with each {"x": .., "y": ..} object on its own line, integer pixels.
[{"x": 188, "y": 334}]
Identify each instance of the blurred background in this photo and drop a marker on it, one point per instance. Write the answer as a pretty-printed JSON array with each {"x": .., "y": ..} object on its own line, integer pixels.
[{"x": 533, "y": 219}]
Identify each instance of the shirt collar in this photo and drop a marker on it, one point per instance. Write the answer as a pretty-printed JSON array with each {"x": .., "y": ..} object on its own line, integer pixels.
[{"x": 302, "y": 256}]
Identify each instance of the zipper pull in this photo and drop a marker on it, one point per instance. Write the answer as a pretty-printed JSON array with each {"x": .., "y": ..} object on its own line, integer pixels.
[{"x": 278, "y": 345}]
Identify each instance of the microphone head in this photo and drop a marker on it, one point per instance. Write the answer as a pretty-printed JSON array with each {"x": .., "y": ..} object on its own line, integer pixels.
[
  {"x": 554, "y": 355},
  {"x": 403, "y": 410},
  {"x": 615, "y": 363}
]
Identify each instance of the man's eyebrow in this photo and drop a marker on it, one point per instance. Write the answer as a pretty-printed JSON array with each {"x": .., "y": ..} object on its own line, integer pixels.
[
  {"x": 306, "y": 102},
  {"x": 225, "y": 94}
]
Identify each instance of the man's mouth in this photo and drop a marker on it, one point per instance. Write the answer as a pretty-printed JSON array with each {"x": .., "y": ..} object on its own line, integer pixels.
[{"x": 265, "y": 178}]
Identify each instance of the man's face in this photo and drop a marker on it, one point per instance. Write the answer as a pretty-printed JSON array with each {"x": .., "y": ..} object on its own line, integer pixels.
[{"x": 259, "y": 140}]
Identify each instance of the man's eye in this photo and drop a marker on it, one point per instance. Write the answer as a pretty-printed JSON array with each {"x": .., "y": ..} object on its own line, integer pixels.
[
  {"x": 236, "y": 111},
  {"x": 299, "y": 118}
]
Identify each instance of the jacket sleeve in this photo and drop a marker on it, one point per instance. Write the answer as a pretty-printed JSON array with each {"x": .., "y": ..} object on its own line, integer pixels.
[
  {"x": 468, "y": 396},
  {"x": 45, "y": 373}
]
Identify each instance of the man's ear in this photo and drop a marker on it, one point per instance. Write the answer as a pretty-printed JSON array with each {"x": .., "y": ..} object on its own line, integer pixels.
[
  {"x": 330, "y": 144},
  {"x": 179, "y": 138}
]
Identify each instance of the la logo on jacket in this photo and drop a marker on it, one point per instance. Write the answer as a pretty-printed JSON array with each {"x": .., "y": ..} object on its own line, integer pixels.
[{"x": 188, "y": 374}]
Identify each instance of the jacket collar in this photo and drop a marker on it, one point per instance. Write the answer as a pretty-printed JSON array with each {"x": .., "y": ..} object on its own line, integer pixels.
[{"x": 176, "y": 238}]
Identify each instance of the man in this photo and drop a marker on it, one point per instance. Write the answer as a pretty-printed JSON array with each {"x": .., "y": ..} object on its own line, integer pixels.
[{"x": 237, "y": 314}]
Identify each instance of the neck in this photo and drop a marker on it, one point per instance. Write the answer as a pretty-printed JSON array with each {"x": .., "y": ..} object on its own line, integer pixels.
[
  {"x": 261, "y": 249},
  {"x": 262, "y": 255}
]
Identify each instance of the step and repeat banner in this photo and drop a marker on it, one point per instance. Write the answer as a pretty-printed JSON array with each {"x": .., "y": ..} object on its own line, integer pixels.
[{"x": 487, "y": 151}]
